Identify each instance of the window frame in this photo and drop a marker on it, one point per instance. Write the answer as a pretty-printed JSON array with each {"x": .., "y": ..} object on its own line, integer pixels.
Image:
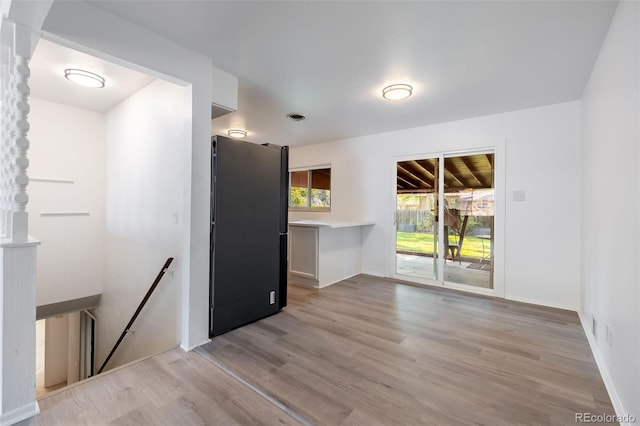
[{"x": 308, "y": 207}]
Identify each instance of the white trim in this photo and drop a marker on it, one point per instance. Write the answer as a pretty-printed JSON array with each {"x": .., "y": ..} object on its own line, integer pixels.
[
  {"x": 304, "y": 274},
  {"x": 542, "y": 303},
  {"x": 417, "y": 280},
  {"x": 500, "y": 219},
  {"x": 425, "y": 282},
  {"x": 6, "y": 243},
  {"x": 309, "y": 207},
  {"x": 446, "y": 154},
  {"x": 314, "y": 283},
  {"x": 20, "y": 414},
  {"x": 470, "y": 288},
  {"x": 499, "y": 183},
  {"x": 190, "y": 348},
  {"x": 442, "y": 255},
  {"x": 604, "y": 371}
]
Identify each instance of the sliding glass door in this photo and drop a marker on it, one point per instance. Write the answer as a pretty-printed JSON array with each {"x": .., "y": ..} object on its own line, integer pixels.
[
  {"x": 416, "y": 218},
  {"x": 446, "y": 201}
]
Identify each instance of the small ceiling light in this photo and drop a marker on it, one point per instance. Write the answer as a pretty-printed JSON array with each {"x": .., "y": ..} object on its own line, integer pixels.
[
  {"x": 397, "y": 92},
  {"x": 296, "y": 117},
  {"x": 84, "y": 78},
  {"x": 237, "y": 133}
]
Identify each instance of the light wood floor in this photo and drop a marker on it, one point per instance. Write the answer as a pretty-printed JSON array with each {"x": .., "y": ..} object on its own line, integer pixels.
[
  {"x": 368, "y": 352},
  {"x": 173, "y": 388},
  {"x": 361, "y": 352}
]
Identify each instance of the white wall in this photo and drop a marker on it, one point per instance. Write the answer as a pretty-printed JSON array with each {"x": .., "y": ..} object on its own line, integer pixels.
[
  {"x": 56, "y": 349},
  {"x": 88, "y": 29},
  {"x": 67, "y": 143},
  {"x": 611, "y": 217},
  {"x": 537, "y": 241},
  {"x": 145, "y": 186}
]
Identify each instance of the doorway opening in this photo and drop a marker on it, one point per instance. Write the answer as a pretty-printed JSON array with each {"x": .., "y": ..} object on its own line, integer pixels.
[
  {"x": 460, "y": 189},
  {"x": 107, "y": 172},
  {"x": 64, "y": 350}
]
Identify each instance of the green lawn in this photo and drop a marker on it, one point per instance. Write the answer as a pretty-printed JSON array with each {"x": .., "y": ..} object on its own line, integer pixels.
[{"x": 423, "y": 243}]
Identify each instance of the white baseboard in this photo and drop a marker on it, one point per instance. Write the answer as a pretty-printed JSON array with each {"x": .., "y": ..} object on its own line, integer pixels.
[
  {"x": 20, "y": 414},
  {"x": 341, "y": 279},
  {"x": 543, "y": 303},
  {"x": 604, "y": 371},
  {"x": 190, "y": 348},
  {"x": 314, "y": 283}
]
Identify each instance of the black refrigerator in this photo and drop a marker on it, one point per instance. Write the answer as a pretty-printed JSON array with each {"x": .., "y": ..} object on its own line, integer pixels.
[{"x": 248, "y": 252}]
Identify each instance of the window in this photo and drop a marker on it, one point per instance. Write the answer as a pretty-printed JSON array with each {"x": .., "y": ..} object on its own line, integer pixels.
[{"x": 310, "y": 189}]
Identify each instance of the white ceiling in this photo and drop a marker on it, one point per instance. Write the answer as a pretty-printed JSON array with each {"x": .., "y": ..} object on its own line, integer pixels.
[
  {"x": 47, "y": 79},
  {"x": 330, "y": 60}
]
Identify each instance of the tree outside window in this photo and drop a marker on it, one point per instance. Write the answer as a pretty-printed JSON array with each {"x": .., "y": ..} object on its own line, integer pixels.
[{"x": 310, "y": 189}]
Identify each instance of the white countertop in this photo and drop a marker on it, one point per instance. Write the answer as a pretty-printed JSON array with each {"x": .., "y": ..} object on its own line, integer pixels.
[{"x": 328, "y": 223}]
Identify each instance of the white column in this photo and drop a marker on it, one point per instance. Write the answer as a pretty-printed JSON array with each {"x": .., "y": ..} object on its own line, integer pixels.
[
  {"x": 16, "y": 51},
  {"x": 6, "y": 37},
  {"x": 18, "y": 339},
  {"x": 17, "y": 251}
]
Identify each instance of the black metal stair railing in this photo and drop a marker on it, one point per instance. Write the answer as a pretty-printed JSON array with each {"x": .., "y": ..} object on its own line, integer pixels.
[{"x": 135, "y": 315}]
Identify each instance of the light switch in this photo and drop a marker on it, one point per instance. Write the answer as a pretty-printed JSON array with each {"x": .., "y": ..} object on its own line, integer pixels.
[
  {"x": 175, "y": 217},
  {"x": 518, "y": 195}
]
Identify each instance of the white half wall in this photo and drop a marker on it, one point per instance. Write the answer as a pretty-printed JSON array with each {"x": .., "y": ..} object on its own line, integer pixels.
[
  {"x": 537, "y": 150},
  {"x": 67, "y": 144},
  {"x": 610, "y": 206},
  {"x": 145, "y": 186}
]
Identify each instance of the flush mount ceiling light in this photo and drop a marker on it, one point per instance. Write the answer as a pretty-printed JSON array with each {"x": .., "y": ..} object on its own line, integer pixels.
[
  {"x": 237, "y": 133},
  {"x": 84, "y": 78},
  {"x": 397, "y": 92}
]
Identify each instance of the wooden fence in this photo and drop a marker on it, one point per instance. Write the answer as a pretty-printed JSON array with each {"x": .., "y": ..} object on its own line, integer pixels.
[{"x": 415, "y": 220}]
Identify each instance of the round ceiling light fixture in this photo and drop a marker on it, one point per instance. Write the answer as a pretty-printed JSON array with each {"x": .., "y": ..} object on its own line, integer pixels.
[
  {"x": 397, "y": 92},
  {"x": 237, "y": 133},
  {"x": 84, "y": 78},
  {"x": 296, "y": 117}
]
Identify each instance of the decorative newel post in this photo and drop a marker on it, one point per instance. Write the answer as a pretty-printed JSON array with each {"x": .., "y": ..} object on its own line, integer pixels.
[
  {"x": 20, "y": 144},
  {"x": 17, "y": 249}
]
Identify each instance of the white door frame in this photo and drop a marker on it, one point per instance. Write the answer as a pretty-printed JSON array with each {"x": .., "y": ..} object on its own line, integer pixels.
[{"x": 498, "y": 289}]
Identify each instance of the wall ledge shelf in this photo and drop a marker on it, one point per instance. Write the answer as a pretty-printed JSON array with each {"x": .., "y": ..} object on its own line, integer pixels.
[
  {"x": 60, "y": 214},
  {"x": 51, "y": 180}
]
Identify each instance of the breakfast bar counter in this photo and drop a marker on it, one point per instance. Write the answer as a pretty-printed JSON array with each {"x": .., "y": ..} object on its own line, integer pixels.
[{"x": 322, "y": 253}]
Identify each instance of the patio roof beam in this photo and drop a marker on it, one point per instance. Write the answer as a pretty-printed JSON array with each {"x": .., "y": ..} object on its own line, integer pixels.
[
  {"x": 406, "y": 183},
  {"x": 478, "y": 176},
  {"x": 410, "y": 177},
  {"x": 418, "y": 172}
]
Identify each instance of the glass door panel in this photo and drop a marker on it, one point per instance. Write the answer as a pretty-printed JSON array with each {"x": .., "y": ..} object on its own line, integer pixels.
[
  {"x": 469, "y": 196},
  {"x": 417, "y": 218}
]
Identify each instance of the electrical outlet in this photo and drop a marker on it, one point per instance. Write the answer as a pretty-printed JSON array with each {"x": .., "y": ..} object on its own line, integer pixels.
[
  {"x": 272, "y": 297},
  {"x": 609, "y": 335}
]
